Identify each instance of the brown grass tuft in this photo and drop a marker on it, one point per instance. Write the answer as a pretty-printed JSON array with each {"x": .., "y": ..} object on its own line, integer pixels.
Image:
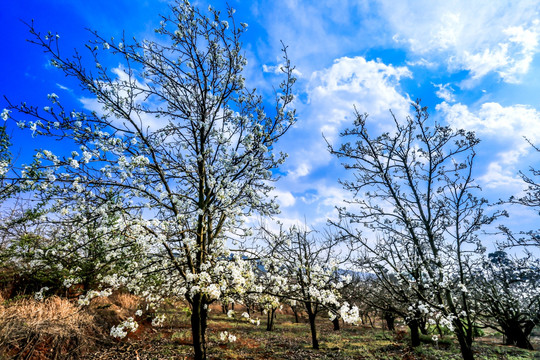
[
  {"x": 122, "y": 302},
  {"x": 54, "y": 328},
  {"x": 126, "y": 301},
  {"x": 112, "y": 310}
]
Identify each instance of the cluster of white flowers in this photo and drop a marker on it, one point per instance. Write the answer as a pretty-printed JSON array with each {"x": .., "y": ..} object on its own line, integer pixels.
[
  {"x": 5, "y": 114},
  {"x": 158, "y": 320},
  {"x": 349, "y": 314},
  {"x": 226, "y": 336},
  {"x": 70, "y": 281},
  {"x": 53, "y": 97},
  {"x": 39, "y": 295},
  {"x": 113, "y": 280},
  {"x": 85, "y": 299},
  {"x": 446, "y": 321},
  {"x": 213, "y": 291},
  {"x": 122, "y": 329},
  {"x": 4, "y": 167},
  {"x": 74, "y": 163}
]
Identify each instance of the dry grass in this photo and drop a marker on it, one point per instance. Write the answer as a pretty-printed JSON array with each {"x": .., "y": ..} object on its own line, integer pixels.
[
  {"x": 118, "y": 300},
  {"x": 125, "y": 301},
  {"x": 112, "y": 310},
  {"x": 52, "y": 329}
]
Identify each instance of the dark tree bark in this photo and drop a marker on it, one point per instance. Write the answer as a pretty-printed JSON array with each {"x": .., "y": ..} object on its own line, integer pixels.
[
  {"x": 422, "y": 324},
  {"x": 295, "y": 312},
  {"x": 312, "y": 314},
  {"x": 313, "y": 328},
  {"x": 270, "y": 315},
  {"x": 336, "y": 324},
  {"x": 390, "y": 320},
  {"x": 199, "y": 315},
  {"x": 518, "y": 335},
  {"x": 464, "y": 335},
  {"x": 415, "y": 334}
]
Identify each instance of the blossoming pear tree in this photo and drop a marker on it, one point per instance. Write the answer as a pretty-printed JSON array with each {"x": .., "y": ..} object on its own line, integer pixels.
[
  {"x": 414, "y": 189},
  {"x": 179, "y": 150},
  {"x": 508, "y": 291},
  {"x": 383, "y": 290},
  {"x": 306, "y": 270}
]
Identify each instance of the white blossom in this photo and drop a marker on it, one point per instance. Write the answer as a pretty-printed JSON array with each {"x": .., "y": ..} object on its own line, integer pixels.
[
  {"x": 39, "y": 295},
  {"x": 5, "y": 114}
]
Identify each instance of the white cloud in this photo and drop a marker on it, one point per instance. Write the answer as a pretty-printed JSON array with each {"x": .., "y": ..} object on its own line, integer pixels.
[
  {"x": 63, "y": 87},
  {"x": 499, "y": 175},
  {"x": 311, "y": 172},
  {"x": 445, "y": 92},
  {"x": 492, "y": 119},
  {"x": 318, "y": 31},
  {"x": 371, "y": 86},
  {"x": 278, "y": 70},
  {"x": 422, "y": 63},
  {"x": 302, "y": 169},
  {"x": 481, "y": 63},
  {"x": 316, "y": 205},
  {"x": 284, "y": 198},
  {"x": 504, "y": 129},
  {"x": 482, "y": 37}
]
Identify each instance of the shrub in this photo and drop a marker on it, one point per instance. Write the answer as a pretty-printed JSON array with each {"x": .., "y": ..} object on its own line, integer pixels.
[{"x": 54, "y": 328}]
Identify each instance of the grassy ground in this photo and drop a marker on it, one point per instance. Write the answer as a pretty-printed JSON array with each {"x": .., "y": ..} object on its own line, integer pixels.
[
  {"x": 57, "y": 329},
  {"x": 292, "y": 341}
]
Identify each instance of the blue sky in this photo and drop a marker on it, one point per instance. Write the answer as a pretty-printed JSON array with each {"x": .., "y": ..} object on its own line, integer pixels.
[{"x": 475, "y": 64}]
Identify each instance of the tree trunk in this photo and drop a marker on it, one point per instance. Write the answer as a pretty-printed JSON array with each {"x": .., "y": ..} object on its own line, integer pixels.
[
  {"x": 336, "y": 323},
  {"x": 198, "y": 327},
  {"x": 415, "y": 334},
  {"x": 464, "y": 336},
  {"x": 524, "y": 343},
  {"x": 296, "y": 319},
  {"x": 466, "y": 348},
  {"x": 369, "y": 319},
  {"x": 518, "y": 335},
  {"x": 422, "y": 325},
  {"x": 314, "y": 341},
  {"x": 270, "y": 320},
  {"x": 390, "y": 320}
]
